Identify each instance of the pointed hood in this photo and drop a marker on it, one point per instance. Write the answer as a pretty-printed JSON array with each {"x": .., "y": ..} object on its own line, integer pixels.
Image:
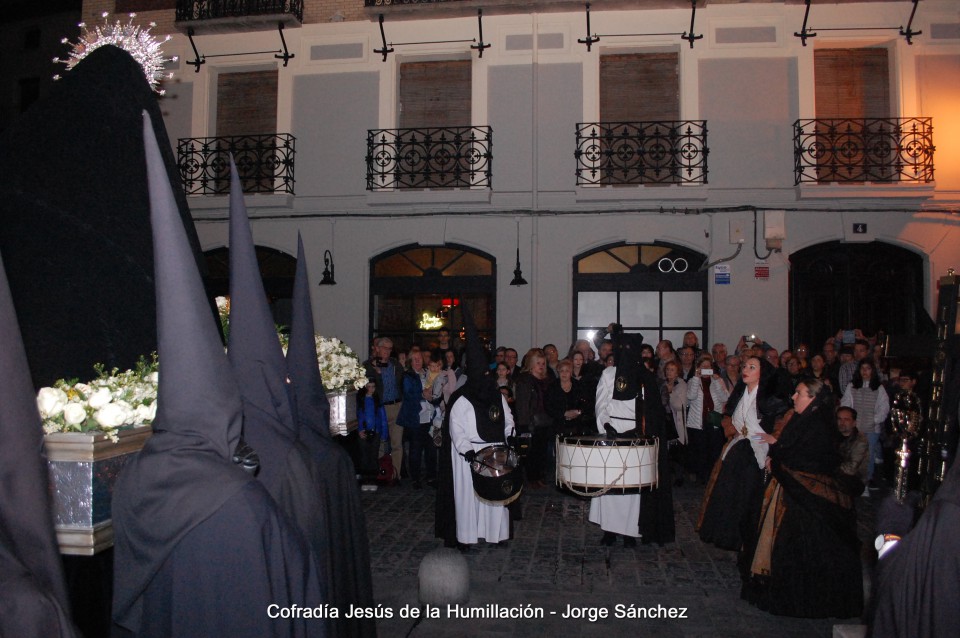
[
  {"x": 28, "y": 544},
  {"x": 313, "y": 408},
  {"x": 629, "y": 363},
  {"x": 184, "y": 473},
  {"x": 255, "y": 352},
  {"x": 481, "y": 389}
]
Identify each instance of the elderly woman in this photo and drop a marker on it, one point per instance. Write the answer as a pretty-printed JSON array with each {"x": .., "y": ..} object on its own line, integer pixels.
[
  {"x": 530, "y": 412},
  {"x": 735, "y": 488},
  {"x": 567, "y": 403},
  {"x": 804, "y": 559}
]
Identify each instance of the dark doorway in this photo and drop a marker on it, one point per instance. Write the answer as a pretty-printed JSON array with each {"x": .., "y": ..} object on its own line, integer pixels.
[{"x": 873, "y": 286}]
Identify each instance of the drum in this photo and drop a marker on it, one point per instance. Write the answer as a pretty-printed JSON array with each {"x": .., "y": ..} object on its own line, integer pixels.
[
  {"x": 597, "y": 465},
  {"x": 496, "y": 474}
]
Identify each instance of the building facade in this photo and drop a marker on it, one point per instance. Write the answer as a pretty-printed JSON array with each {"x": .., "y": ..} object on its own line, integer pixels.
[{"x": 673, "y": 169}]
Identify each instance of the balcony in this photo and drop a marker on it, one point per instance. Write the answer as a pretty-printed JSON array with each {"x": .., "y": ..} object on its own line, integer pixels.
[
  {"x": 264, "y": 162},
  {"x": 447, "y": 157},
  {"x": 387, "y": 3},
  {"x": 621, "y": 153},
  {"x": 897, "y": 150},
  {"x": 211, "y": 15}
]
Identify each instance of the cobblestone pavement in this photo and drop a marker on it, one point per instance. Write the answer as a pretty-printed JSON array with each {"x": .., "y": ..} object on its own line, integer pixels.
[{"x": 555, "y": 559}]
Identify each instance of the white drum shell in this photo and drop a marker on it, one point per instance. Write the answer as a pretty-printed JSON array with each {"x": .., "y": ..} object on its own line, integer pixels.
[{"x": 583, "y": 464}]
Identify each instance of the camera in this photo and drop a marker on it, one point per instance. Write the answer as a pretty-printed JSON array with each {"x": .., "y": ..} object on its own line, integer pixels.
[
  {"x": 849, "y": 336},
  {"x": 706, "y": 372}
]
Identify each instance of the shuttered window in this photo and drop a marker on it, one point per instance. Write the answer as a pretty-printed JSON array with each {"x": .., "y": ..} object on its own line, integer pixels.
[
  {"x": 435, "y": 93},
  {"x": 639, "y": 101},
  {"x": 639, "y": 87},
  {"x": 852, "y": 83},
  {"x": 247, "y": 103}
]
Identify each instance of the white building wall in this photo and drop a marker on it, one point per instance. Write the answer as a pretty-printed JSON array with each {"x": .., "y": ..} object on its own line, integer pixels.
[{"x": 750, "y": 94}]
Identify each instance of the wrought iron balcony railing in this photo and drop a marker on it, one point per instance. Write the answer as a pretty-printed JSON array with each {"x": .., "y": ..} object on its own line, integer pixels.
[
  {"x": 194, "y": 10},
  {"x": 448, "y": 157},
  {"x": 387, "y": 3},
  {"x": 864, "y": 150},
  {"x": 264, "y": 162},
  {"x": 642, "y": 153}
]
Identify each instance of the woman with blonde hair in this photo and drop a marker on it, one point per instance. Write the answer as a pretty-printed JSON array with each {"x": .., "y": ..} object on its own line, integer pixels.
[{"x": 531, "y": 415}]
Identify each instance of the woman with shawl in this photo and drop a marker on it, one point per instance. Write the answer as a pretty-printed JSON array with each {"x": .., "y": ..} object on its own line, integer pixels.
[
  {"x": 804, "y": 559},
  {"x": 735, "y": 487}
]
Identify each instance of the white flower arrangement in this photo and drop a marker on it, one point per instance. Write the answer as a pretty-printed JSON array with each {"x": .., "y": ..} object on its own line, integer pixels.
[
  {"x": 111, "y": 401},
  {"x": 340, "y": 367}
]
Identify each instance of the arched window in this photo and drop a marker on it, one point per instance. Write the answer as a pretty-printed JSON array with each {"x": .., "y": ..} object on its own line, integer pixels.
[
  {"x": 416, "y": 290},
  {"x": 656, "y": 289}
]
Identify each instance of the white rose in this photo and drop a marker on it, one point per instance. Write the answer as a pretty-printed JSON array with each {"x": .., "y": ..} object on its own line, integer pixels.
[
  {"x": 145, "y": 413},
  {"x": 51, "y": 401},
  {"x": 153, "y": 377},
  {"x": 83, "y": 389},
  {"x": 100, "y": 398},
  {"x": 74, "y": 414},
  {"x": 112, "y": 415}
]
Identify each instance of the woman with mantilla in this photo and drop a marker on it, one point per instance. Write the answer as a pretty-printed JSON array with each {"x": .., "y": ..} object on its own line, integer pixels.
[
  {"x": 735, "y": 488},
  {"x": 804, "y": 559}
]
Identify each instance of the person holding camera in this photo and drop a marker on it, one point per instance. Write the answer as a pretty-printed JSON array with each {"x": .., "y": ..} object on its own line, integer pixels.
[{"x": 706, "y": 395}]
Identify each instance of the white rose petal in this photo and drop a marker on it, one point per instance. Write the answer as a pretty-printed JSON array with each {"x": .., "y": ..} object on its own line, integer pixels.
[
  {"x": 74, "y": 414},
  {"x": 112, "y": 415},
  {"x": 51, "y": 401},
  {"x": 145, "y": 413},
  {"x": 100, "y": 398}
]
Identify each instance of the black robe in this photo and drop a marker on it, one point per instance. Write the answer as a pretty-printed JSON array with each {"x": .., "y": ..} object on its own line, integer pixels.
[
  {"x": 343, "y": 529},
  {"x": 247, "y": 550},
  {"x": 657, "y": 524},
  {"x": 815, "y": 569},
  {"x": 918, "y": 580},
  {"x": 731, "y": 501}
]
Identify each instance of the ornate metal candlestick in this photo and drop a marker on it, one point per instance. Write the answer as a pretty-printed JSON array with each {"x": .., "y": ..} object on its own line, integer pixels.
[{"x": 906, "y": 419}]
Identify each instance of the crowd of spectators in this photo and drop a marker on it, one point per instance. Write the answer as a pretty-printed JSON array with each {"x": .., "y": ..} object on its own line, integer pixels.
[{"x": 553, "y": 396}]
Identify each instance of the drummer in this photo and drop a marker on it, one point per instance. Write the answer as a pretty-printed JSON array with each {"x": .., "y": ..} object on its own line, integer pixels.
[
  {"x": 478, "y": 417},
  {"x": 622, "y": 402}
]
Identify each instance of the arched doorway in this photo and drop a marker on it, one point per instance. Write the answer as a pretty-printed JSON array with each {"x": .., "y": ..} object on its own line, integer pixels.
[
  {"x": 841, "y": 286},
  {"x": 656, "y": 289},
  {"x": 277, "y": 269},
  {"x": 416, "y": 290}
]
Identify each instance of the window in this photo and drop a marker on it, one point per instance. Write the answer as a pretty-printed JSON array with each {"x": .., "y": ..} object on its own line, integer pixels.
[
  {"x": 854, "y": 109},
  {"x": 416, "y": 290},
  {"x": 639, "y": 87},
  {"x": 852, "y": 83},
  {"x": 640, "y": 138},
  {"x": 247, "y": 112},
  {"x": 434, "y": 94},
  {"x": 655, "y": 289}
]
